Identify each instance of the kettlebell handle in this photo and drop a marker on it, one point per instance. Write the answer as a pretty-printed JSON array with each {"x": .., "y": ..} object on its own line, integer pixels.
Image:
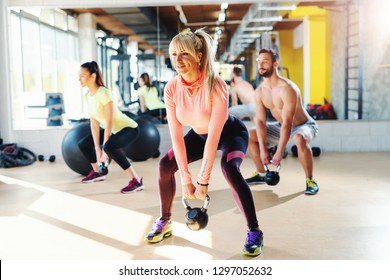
[
  {"x": 205, "y": 204},
  {"x": 277, "y": 168}
]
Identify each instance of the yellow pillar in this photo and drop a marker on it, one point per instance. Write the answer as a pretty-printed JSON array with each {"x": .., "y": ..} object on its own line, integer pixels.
[
  {"x": 319, "y": 60},
  {"x": 315, "y": 55}
]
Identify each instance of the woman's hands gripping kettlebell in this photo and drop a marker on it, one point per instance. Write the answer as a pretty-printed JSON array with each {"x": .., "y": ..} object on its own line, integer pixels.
[{"x": 190, "y": 191}]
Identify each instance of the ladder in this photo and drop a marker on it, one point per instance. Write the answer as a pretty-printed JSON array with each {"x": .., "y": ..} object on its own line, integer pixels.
[{"x": 353, "y": 96}]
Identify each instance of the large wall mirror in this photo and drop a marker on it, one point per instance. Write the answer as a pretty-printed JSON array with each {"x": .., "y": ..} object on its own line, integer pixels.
[{"x": 337, "y": 52}]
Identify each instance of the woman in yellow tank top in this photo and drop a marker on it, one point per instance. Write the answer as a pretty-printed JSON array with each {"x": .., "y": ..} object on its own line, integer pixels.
[
  {"x": 150, "y": 103},
  {"x": 111, "y": 130}
]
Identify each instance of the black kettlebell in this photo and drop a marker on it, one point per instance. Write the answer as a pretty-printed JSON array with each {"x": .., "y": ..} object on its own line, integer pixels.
[
  {"x": 103, "y": 168},
  {"x": 196, "y": 218},
  {"x": 272, "y": 178}
]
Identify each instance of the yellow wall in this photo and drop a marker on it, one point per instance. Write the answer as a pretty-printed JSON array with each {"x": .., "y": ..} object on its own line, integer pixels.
[
  {"x": 297, "y": 75},
  {"x": 253, "y": 66},
  {"x": 291, "y": 58},
  {"x": 319, "y": 54},
  {"x": 318, "y": 59},
  {"x": 303, "y": 11},
  {"x": 286, "y": 57}
]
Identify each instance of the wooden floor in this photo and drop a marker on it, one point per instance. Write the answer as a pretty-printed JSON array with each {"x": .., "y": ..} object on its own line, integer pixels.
[{"x": 46, "y": 213}]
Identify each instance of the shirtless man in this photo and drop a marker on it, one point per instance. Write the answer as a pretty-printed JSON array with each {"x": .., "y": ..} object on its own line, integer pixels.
[
  {"x": 244, "y": 91},
  {"x": 283, "y": 98}
]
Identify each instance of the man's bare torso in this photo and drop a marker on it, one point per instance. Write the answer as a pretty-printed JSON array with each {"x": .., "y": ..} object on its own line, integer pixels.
[
  {"x": 274, "y": 99},
  {"x": 245, "y": 92}
]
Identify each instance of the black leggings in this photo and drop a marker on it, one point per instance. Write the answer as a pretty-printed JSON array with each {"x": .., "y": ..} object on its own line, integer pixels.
[
  {"x": 233, "y": 144},
  {"x": 113, "y": 146}
]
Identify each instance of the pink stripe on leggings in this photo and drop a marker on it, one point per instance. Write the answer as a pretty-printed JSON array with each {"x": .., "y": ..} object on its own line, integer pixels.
[
  {"x": 235, "y": 154},
  {"x": 171, "y": 154}
]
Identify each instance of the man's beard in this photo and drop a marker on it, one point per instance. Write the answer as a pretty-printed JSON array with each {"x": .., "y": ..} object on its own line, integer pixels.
[{"x": 267, "y": 73}]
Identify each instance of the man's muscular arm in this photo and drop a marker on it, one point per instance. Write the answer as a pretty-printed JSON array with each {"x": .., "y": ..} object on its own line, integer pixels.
[
  {"x": 290, "y": 99},
  {"x": 261, "y": 126},
  {"x": 233, "y": 93}
]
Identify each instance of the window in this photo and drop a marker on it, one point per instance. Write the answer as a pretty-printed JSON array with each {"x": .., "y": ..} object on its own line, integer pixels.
[
  {"x": 31, "y": 56},
  {"x": 48, "y": 59},
  {"x": 44, "y": 60}
]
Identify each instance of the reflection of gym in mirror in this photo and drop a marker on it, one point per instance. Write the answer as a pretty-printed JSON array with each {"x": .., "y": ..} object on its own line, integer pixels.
[{"x": 329, "y": 92}]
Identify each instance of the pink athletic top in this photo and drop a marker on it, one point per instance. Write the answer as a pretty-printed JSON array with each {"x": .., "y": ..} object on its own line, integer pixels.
[{"x": 186, "y": 106}]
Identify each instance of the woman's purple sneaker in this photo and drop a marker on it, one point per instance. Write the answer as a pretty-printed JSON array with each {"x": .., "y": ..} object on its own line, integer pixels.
[
  {"x": 93, "y": 176},
  {"x": 133, "y": 186},
  {"x": 253, "y": 244}
]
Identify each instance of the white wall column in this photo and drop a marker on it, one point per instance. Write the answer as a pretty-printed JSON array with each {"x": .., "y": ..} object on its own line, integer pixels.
[
  {"x": 5, "y": 89},
  {"x": 87, "y": 37}
]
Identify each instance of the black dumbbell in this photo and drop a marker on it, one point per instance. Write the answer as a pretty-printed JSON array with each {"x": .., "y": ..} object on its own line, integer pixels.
[
  {"x": 294, "y": 150},
  {"x": 315, "y": 150},
  {"x": 196, "y": 218},
  {"x": 272, "y": 151},
  {"x": 272, "y": 178},
  {"x": 51, "y": 158},
  {"x": 103, "y": 168}
]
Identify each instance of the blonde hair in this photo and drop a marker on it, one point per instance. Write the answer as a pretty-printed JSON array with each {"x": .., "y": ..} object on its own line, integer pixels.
[{"x": 199, "y": 42}]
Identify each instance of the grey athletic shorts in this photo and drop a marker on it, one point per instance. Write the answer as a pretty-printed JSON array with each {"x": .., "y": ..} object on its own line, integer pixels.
[
  {"x": 308, "y": 130},
  {"x": 243, "y": 110}
]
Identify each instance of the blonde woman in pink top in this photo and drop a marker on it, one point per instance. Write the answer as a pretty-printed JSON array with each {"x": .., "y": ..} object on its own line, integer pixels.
[{"x": 198, "y": 98}]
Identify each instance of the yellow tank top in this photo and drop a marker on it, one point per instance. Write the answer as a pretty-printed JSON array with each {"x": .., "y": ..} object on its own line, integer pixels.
[
  {"x": 151, "y": 98},
  {"x": 96, "y": 104}
]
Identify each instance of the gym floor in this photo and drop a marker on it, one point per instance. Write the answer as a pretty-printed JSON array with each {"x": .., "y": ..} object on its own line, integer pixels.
[{"x": 46, "y": 213}]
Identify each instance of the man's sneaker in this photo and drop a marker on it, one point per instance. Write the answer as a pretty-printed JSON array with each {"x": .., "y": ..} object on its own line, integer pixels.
[
  {"x": 133, "y": 186},
  {"x": 161, "y": 229},
  {"x": 255, "y": 179},
  {"x": 253, "y": 243},
  {"x": 93, "y": 176},
  {"x": 311, "y": 187}
]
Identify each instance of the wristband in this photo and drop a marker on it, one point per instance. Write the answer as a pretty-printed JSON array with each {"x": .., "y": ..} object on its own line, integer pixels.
[{"x": 203, "y": 185}]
